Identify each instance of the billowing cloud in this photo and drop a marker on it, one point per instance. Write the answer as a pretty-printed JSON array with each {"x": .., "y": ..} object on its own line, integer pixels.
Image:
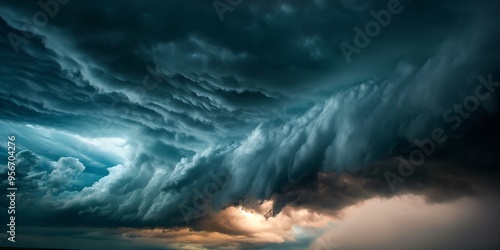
[
  {"x": 143, "y": 116},
  {"x": 65, "y": 171}
]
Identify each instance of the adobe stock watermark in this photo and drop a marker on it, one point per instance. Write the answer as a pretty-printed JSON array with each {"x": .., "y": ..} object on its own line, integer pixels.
[
  {"x": 40, "y": 19},
  {"x": 455, "y": 116},
  {"x": 201, "y": 200},
  {"x": 222, "y": 6},
  {"x": 371, "y": 30}
]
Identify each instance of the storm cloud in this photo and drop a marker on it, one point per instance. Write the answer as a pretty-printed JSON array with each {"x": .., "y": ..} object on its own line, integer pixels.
[{"x": 125, "y": 113}]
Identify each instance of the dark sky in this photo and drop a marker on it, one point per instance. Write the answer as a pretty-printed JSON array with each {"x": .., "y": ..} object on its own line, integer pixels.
[{"x": 127, "y": 113}]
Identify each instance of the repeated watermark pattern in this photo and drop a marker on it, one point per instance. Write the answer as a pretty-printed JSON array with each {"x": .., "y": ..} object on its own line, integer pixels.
[
  {"x": 201, "y": 200},
  {"x": 455, "y": 116},
  {"x": 223, "y": 6},
  {"x": 40, "y": 19}
]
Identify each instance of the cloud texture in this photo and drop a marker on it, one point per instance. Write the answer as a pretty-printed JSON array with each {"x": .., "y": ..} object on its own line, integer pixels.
[{"x": 127, "y": 113}]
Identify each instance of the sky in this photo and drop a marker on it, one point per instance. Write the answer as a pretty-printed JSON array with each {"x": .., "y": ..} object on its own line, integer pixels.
[{"x": 238, "y": 124}]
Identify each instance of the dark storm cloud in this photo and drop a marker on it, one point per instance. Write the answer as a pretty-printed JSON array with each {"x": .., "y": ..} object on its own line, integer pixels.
[
  {"x": 192, "y": 95},
  {"x": 465, "y": 166}
]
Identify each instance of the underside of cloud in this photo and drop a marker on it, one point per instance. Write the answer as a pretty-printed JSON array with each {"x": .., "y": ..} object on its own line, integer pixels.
[{"x": 273, "y": 108}]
